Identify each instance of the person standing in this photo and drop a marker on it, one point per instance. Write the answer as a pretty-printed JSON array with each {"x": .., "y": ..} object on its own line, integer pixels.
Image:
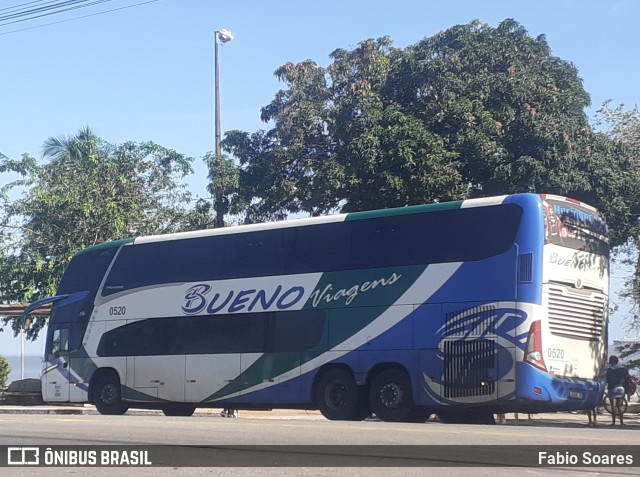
[
  {"x": 229, "y": 412},
  {"x": 593, "y": 416},
  {"x": 592, "y": 412},
  {"x": 616, "y": 382}
]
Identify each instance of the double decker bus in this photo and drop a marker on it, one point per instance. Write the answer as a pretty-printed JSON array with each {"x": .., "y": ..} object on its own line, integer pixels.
[{"x": 462, "y": 309}]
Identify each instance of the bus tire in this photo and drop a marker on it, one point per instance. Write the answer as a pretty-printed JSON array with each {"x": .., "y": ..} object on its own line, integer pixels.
[
  {"x": 185, "y": 410},
  {"x": 362, "y": 411},
  {"x": 337, "y": 395},
  {"x": 391, "y": 397},
  {"x": 107, "y": 394}
]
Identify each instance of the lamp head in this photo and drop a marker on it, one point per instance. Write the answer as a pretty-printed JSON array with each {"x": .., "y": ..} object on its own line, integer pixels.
[{"x": 224, "y": 36}]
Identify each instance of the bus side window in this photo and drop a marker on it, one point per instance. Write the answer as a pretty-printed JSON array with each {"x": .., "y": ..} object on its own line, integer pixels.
[
  {"x": 60, "y": 343},
  {"x": 316, "y": 247}
]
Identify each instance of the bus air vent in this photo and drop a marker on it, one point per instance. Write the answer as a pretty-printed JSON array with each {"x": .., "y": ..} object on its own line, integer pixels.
[{"x": 525, "y": 268}]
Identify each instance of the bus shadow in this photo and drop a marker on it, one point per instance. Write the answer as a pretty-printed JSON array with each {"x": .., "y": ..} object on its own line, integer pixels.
[{"x": 570, "y": 420}]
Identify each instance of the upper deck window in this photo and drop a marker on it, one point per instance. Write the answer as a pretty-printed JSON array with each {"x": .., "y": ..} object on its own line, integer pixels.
[{"x": 453, "y": 235}]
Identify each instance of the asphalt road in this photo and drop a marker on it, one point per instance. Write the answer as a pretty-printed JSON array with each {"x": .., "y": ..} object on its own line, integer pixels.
[{"x": 210, "y": 434}]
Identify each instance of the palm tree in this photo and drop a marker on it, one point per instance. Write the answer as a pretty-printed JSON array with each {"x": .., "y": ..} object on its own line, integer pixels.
[{"x": 84, "y": 145}]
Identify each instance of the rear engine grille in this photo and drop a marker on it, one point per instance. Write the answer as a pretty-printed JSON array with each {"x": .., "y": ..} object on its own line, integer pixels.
[
  {"x": 469, "y": 368},
  {"x": 576, "y": 313}
]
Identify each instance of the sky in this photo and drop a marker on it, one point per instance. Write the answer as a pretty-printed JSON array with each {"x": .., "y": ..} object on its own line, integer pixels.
[{"x": 147, "y": 72}]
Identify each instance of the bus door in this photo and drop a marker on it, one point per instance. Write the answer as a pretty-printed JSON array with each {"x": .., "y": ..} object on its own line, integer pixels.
[
  {"x": 67, "y": 325},
  {"x": 56, "y": 373}
]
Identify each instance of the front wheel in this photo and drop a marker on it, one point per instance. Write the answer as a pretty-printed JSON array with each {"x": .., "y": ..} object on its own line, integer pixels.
[
  {"x": 391, "y": 397},
  {"x": 108, "y": 394}
]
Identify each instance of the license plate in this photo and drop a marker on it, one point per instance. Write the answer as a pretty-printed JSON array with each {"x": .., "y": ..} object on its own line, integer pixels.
[{"x": 575, "y": 394}]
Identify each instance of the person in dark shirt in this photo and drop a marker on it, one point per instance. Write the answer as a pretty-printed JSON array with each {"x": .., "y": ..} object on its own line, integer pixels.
[{"x": 616, "y": 381}]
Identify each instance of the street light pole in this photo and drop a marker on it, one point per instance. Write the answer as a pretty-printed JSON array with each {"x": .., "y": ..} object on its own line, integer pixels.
[{"x": 223, "y": 36}]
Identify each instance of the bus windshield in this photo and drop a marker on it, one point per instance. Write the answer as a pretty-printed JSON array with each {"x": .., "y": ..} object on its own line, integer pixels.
[{"x": 86, "y": 271}]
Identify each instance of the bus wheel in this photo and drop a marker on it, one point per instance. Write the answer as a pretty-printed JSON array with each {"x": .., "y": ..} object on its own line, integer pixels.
[
  {"x": 337, "y": 395},
  {"x": 362, "y": 411},
  {"x": 179, "y": 410},
  {"x": 391, "y": 397},
  {"x": 108, "y": 394}
]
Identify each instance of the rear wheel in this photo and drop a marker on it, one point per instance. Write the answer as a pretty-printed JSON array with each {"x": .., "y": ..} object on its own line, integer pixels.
[
  {"x": 391, "y": 397},
  {"x": 337, "y": 396},
  {"x": 107, "y": 394}
]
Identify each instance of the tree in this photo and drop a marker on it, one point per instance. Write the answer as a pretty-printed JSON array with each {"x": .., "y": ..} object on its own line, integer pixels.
[
  {"x": 508, "y": 109},
  {"x": 471, "y": 111},
  {"x": 5, "y": 371},
  {"x": 266, "y": 190},
  {"x": 85, "y": 192},
  {"x": 622, "y": 126},
  {"x": 223, "y": 185}
]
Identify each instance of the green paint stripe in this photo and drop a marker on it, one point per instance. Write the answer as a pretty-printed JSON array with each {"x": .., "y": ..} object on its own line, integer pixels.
[
  {"x": 412, "y": 209},
  {"x": 106, "y": 245},
  {"x": 81, "y": 364}
]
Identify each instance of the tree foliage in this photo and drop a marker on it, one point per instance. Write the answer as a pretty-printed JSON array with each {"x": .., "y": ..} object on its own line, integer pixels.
[
  {"x": 5, "y": 371},
  {"x": 622, "y": 127},
  {"x": 223, "y": 186},
  {"x": 85, "y": 192},
  {"x": 471, "y": 111}
]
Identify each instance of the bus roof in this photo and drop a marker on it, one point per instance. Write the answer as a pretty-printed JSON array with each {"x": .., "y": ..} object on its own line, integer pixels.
[
  {"x": 369, "y": 214},
  {"x": 413, "y": 209}
]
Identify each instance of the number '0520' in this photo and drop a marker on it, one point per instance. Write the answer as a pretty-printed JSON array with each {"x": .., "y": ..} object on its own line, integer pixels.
[
  {"x": 117, "y": 310},
  {"x": 557, "y": 353}
]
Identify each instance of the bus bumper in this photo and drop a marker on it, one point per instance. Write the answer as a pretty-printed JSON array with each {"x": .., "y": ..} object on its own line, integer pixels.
[{"x": 558, "y": 393}]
